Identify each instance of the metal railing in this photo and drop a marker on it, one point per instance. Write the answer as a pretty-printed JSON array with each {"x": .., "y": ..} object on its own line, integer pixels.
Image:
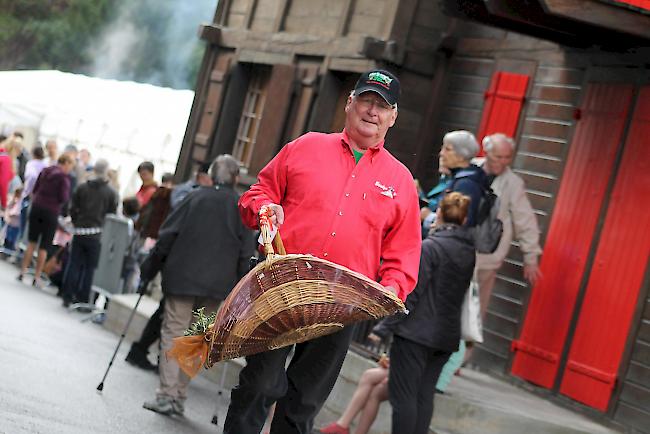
[{"x": 363, "y": 346}]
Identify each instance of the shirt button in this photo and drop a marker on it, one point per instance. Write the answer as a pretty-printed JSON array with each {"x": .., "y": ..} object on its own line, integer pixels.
[
  {"x": 340, "y": 212},
  {"x": 325, "y": 254},
  {"x": 354, "y": 176},
  {"x": 347, "y": 194},
  {"x": 333, "y": 234}
]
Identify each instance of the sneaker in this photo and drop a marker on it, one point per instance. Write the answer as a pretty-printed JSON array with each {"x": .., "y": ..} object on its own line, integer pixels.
[
  {"x": 334, "y": 428},
  {"x": 162, "y": 405},
  {"x": 178, "y": 407},
  {"x": 137, "y": 357}
]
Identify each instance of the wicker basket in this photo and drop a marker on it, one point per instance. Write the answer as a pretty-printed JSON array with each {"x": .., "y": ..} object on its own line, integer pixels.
[{"x": 288, "y": 299}]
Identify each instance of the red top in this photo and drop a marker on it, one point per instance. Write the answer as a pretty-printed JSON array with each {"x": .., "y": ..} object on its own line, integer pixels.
[
  {"x": 144, "y": 194},
  {"x": 6, "y": 175},
  {"x": 363, "y": 216}
]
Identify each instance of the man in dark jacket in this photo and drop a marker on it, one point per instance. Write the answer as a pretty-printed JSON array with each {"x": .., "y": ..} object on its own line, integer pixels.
[
  {"x": 203, "y": 249},
  {"x": 90, "y": 203}
]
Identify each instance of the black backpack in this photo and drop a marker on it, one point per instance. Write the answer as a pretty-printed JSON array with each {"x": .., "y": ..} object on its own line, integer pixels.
[{"x": 489, "y": 228}]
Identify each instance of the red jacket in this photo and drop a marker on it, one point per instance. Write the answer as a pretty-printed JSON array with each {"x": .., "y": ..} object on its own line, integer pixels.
[
  {"x": 6, "y": 175},
  {"x": 364, "y": 216}
]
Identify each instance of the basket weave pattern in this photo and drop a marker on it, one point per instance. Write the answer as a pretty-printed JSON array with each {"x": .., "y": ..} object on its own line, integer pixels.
[{"x": 290, "y": 299}]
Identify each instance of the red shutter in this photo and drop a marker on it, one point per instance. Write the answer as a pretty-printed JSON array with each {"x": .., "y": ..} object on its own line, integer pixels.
[
  {"x": 579, "y": 201},
  {"x": 617, "y": 273},
  {"x": 503, "y": 103},
  {"x": 641, "y": 4}
]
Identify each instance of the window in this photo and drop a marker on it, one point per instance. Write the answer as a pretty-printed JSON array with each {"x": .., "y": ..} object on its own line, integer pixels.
[{"x": 251, "y": 116}]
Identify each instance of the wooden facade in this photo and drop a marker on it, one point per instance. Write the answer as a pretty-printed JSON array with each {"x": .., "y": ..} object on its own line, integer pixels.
[{"x": 578, "y": 106}]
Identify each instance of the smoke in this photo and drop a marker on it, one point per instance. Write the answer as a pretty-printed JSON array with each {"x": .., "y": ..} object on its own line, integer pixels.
[{"x": 153, "y": 41}]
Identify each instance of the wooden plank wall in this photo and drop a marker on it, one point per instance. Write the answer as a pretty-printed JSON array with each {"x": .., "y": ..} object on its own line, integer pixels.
[
  {"x": 263, "y": 20},
  {"x": 467, "y": 80},
  {"x": 315, "y": 17},
  {"x": 236, "y": 14},
  {"x": 633, "y": 407},
  {"x": 369, "y": 17},
  {"x": 543, "y": 136},
  {"x": 543, "y": 141}
]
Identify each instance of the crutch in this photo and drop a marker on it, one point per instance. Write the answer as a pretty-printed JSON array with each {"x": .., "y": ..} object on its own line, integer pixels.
[{"x": 141, "y": 290}]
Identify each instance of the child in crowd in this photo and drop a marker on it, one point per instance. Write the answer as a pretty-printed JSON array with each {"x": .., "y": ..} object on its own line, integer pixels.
[{"x": 12, "y": 220}]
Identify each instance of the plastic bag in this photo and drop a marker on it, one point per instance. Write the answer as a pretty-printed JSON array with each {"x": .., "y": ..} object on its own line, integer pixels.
[
  {"x": 190, "y": 352},
  {"x": 471, "y": 328}
]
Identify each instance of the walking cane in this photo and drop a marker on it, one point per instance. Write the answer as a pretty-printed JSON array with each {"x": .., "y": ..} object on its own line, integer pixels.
[{"x": 141, "y": 290}]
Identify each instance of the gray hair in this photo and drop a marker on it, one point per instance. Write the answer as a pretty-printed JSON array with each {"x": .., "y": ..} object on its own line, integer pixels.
[
  {"x": 70, "y": 148},
  {"x": 492, "y": 139},
  {"x": 101, "y": 168},
  {"x": 463, "y": 142},
  {"x": 225, "y": 169}
]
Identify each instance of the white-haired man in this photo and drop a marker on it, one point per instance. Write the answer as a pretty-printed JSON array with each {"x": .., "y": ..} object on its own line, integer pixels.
[
  {"x": 203, "y": 249},
  {"x": 516, "y": 213},
  {"x": 341, "y": 197}
]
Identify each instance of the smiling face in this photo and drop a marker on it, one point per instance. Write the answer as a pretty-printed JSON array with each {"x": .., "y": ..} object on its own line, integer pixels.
[{"x": 368, "y": 118}]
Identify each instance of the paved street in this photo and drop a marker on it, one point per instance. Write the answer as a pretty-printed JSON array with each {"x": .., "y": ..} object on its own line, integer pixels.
[{"x": 51, "y": 364}]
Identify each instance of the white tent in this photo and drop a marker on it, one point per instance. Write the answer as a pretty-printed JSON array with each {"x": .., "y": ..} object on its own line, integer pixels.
[{"x": 124, "y": 122}]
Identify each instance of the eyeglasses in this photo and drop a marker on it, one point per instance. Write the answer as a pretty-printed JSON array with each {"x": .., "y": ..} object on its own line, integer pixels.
[{"x": 368, "y": 101}]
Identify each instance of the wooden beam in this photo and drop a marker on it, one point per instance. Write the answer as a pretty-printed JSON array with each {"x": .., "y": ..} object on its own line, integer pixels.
[
  {"x": 222, "y": 11},
  {"x": 344, "y": 23},
  {"x": 293, "y": 43},
  {"x": 601, "y": 14},
  {"x": 346, "y": 64},
  {"x": 250, "y": 13},
  {"x": 280, "y": 15},
  {"x": 210, "y": 33},
  {"x": 255, "y": 56}
]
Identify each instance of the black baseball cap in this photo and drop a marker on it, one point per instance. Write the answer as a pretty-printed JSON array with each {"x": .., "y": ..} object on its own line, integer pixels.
[{"x": 380, "y": 81}]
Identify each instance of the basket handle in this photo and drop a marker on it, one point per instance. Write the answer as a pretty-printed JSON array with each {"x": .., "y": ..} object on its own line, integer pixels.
[{"x": 265, "y": 229}]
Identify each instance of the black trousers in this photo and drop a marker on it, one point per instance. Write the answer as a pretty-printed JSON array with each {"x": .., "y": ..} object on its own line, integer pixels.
[
  {"x": 78, "y": 277},
  {"x": 151, "y": 332},
  {"x": 299, "y": 391},
  {"x": 414, "y": 372}
]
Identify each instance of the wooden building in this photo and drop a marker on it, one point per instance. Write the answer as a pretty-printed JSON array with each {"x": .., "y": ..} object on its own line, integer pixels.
[{"x": 569, "y": 79}]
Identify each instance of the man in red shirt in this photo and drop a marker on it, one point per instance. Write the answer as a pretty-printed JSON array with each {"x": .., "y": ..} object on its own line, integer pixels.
[
  {"x": 341, "y": 197},
  {"x": 149, "y": 186}
]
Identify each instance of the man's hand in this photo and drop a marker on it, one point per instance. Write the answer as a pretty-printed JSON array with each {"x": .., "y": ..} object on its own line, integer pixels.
[
  {"x": 375, "y": 339},
  {"x": 276, "y": 213},
  {"x": 391, "y": 289},
  {"x": 532, "y": 273}
]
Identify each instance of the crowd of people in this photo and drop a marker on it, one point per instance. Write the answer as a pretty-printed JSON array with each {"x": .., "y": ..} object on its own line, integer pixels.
[
  {"x": 370, "y": 219},
  {"x": 54, "y": 204}
]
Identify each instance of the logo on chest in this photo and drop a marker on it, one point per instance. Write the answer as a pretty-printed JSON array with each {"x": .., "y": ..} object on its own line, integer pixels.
[{"x": 386, "y": 191}]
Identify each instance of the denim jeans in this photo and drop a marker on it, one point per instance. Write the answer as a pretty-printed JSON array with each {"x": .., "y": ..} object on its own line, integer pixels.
[{"x": 78, "y": 278}]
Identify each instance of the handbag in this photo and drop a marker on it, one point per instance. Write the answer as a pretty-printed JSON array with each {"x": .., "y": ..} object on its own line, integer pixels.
[{"x": 471, "y": 328}]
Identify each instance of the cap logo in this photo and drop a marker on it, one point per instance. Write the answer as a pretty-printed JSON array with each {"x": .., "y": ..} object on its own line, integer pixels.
[{"x": 380, "y": 78}]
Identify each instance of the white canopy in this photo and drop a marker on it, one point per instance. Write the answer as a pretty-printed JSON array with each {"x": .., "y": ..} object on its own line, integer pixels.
[{"x": 124, "y": 122}]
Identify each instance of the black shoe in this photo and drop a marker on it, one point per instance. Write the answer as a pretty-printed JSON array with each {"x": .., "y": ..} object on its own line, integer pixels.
[
  {"x": 137, "y": 357},
  {"x": 66, "y": 303},
  {"x": 19, "y": 278}
]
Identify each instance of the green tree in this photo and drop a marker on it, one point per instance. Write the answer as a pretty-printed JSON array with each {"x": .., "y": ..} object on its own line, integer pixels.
[{"x": 38, "y": 34}]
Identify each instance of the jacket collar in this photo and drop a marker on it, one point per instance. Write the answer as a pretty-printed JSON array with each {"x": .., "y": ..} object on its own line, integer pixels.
[
  {"x": 373, "y": 151},
  {"x": 450, "y": 230}
]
